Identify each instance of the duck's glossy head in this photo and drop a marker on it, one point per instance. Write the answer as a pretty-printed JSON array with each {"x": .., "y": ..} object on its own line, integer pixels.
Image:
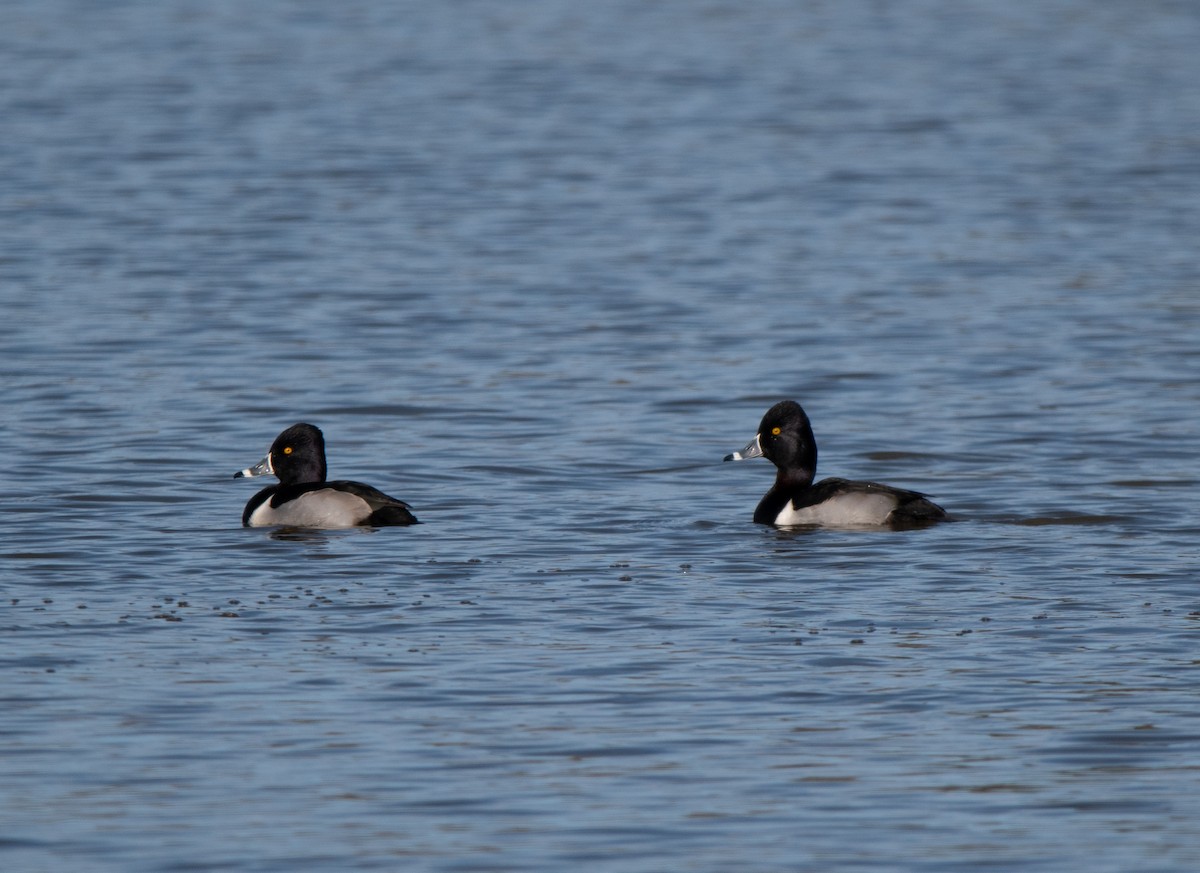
[
  {"x": 785, "y": 438},
  {"x": 297, "y": 456}
]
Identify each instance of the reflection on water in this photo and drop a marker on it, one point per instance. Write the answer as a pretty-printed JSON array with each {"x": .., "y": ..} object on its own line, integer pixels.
[{"x": 540, "y": 266}]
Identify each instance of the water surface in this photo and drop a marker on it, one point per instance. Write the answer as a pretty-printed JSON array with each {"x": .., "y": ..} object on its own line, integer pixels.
[{"x": 536, "y": 268}]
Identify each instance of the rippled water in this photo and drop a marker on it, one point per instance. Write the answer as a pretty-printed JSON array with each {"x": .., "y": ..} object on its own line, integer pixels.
[{"x": 535, "y": 268}]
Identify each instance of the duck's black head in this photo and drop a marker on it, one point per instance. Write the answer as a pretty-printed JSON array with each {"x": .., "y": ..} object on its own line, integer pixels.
[
  {"x": 298, "y": 455},
  {"x": 786, "y": 439}
]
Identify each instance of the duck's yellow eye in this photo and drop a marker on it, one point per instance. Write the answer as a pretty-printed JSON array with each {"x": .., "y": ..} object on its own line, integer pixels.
[
  {"x": 775, "y": 431},
  {"x": 287, "y": 450}
]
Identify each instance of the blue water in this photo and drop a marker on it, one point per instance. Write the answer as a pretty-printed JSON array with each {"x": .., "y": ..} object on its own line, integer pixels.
[{"x": 535, "y": 268}]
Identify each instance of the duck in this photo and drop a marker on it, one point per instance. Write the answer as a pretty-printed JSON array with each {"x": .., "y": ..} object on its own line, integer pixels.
[
  {"x": 785, "y": 437},
  {"x": 303, "y": 498}
]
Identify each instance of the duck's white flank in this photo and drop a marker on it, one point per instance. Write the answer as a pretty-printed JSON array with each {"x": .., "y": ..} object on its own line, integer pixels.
[
  {"x": 856, "y": 509},
  {"x": 327, "y": 507}
]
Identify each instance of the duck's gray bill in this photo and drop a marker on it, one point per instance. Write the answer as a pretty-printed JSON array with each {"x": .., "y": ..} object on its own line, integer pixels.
[
  {"x": 752, "y": 450},
  {"x": 262, "y": 468}
]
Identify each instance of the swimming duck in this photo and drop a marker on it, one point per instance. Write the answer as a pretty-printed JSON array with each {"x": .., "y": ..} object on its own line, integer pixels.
[
  {"x": 785, "y": 438},
  {"x": 304, "y": 499}
]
